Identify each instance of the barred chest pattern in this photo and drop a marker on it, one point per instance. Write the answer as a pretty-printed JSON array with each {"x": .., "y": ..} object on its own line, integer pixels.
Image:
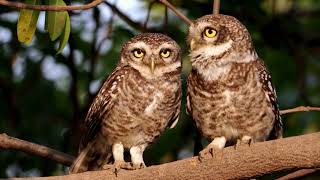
[
  {"x": 141, "y": 108},
  {"x": 136, "y": 103},
  {"x": 234, "y": 105}
]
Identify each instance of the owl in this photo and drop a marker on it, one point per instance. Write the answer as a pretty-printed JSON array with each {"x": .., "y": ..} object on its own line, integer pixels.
[
  {"x": 136, "y": 103},
  {"x": 229, "y": 92}
]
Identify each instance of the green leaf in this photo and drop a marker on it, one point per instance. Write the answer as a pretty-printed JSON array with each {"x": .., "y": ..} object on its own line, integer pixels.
[
  {"x": 27, "y": 23},
  {"x": 65, "y": 35},
  {"x": 56, "y": 20}
]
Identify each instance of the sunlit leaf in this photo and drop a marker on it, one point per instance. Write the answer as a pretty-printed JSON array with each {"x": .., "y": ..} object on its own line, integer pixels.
[
  {"x": 65, "y": 35},
  {"x": 56, "y": 20},
  {"x": 27, "y": 23}
]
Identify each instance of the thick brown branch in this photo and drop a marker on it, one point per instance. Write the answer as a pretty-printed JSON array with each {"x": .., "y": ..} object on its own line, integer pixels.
[
  {"x": 299, "y": 173},
  {"x": 244, "y": 162},
  {"x": 299, "y": 109},
  {"x": 175, "y": 10},
  {"x": 50, "y": 8},
  {"x": 216, "y": 6},
  {"x": 7, "y": 142}
]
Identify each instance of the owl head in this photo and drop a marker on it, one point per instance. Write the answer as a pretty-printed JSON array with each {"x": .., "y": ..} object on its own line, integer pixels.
[
  {"x": 152, "y": 54},
  {"x": 219, "y": 39}
]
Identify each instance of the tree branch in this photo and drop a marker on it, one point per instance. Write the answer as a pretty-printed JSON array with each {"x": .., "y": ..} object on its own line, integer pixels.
[
  {"x": 300, "y": 152},
  {"x": 216, "y": 6},
  {"x": 125, "y": 18},
  {"x": 300, "y": 109},
  {"x": 148, "y": 14},
  {"x": 299, "y": 173},
  {"x": 7, "y": 142},
  {"x": 50, "y": 8},
  {"x": 176, "y": 11}
]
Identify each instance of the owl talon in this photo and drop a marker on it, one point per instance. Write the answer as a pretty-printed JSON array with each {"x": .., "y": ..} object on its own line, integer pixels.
[
  {"x": 117, "y": 166},
  {"x": 207, "y": 153},
  {"x": 236, "y": 146},
  {"x": 246, "y": 140},
  {"x": 138, "y": 166}
]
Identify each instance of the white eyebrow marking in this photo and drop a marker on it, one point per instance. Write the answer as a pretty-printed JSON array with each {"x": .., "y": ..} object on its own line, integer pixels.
[{"x": 216, "y": 50}]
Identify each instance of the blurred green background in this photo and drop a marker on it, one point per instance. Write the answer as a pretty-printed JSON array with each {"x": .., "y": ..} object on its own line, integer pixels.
[{"x": 44, "y": 97}]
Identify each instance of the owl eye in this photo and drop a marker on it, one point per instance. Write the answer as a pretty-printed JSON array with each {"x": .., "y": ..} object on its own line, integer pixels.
[
  {"x": 210, "y": 32},
  {"x": 138, "y": 53},
  {"x": 165, "y": 53}
]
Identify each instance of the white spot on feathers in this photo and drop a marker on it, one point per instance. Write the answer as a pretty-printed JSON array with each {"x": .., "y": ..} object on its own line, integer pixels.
[{"x": 153, "y": 105}]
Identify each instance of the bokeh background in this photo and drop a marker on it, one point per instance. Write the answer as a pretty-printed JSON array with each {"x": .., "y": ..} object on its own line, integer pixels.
[{"x": 44, "y": 97}]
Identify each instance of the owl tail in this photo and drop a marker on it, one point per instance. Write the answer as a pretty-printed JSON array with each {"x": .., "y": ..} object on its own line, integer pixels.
[
  {"x": 92, "y": 158},
  {"x": 80, "y": 164}
]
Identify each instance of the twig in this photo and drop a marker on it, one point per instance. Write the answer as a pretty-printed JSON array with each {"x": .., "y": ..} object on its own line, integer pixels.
[
  {"x": 299, "y": 173},
  {"x": 49, "y": 7},
  {"x": 216, "y": 6},
  {"x": 300, "y": 109},
  {"x": 149, "y": 12},
  {"x": 94, "y": 56},
  {"x": 107, "y": 34},
  {"x": 175, "y": 10},
  {"x": 7, "y": 142},
  {"x": 165, "y": 21},
  {"x": 125, "y": 18}
]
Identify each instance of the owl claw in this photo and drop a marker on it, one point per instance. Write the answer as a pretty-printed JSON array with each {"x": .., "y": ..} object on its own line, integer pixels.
[
  {"x": 116, "y": 166},
  {"x": 244, "y": 140},
  {"x": 138, "y": 166},
  {"x": 236, "y": 146},
  {"x": 208, "y": 152}
]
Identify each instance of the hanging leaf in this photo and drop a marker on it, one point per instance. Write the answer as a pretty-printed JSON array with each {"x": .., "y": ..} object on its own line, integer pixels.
[
  {"x": 27, "y": 23},
  {"x": 56, "y": 20},
  {"x": 65, "y": 35}
]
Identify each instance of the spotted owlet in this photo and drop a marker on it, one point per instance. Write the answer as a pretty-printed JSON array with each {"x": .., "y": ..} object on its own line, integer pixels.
[
  {"x": 135, "y": 104},
  {"x": 230, "y": 95}
]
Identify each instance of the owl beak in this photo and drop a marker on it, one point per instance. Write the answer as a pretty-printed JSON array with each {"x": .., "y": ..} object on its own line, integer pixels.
[
  {"x": 152, "y": 65},
  {"x": 192, "y": 44}
]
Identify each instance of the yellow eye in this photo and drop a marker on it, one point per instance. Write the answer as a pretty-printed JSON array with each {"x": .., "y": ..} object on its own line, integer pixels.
[
  {"x": 210, "y": 32},
  {"x": 165, "y": 53},
  {"x": 138, "y": 53}
]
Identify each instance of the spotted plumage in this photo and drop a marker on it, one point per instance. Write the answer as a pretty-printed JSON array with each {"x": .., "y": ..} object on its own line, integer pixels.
[
  {"x": 134, "y": 105},
  {"x": 229, "y": 95}
]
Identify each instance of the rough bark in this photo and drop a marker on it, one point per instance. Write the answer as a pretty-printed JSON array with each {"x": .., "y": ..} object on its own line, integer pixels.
[{"x": 293, "y": 153}]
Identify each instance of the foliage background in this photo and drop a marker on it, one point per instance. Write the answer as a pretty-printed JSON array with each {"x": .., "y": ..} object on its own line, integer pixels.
[{"x": 44, "y": 97}]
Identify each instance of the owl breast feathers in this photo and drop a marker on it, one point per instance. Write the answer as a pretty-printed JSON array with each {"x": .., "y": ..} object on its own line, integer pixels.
[
  {"x": 134, "y": 105},
  {"x": 229, "y": 95}
]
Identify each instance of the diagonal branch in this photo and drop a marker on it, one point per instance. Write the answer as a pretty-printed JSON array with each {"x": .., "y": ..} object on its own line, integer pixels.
[
  {"x": 298, "y": 174},
  {"x": 20, "y": 5},
  {"x": 125, "y": 18},
  {"x": 299, "y": 109},
  {"x": 7, "y": 142},
  {"x": 245, "y": 162},
  {"x": 176, "y": 11}
]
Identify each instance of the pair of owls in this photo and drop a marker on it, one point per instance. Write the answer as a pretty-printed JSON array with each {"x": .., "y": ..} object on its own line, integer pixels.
[{"x": 229, "y": 96}]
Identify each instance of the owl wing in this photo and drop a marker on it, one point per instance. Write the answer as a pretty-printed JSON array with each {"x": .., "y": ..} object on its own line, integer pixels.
[
  {"x": 101, "y": 104},
  {"x": 191, "y": 79},
  {"x": 265, "y": 80},
  {"x": 175, "y": 117}
]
